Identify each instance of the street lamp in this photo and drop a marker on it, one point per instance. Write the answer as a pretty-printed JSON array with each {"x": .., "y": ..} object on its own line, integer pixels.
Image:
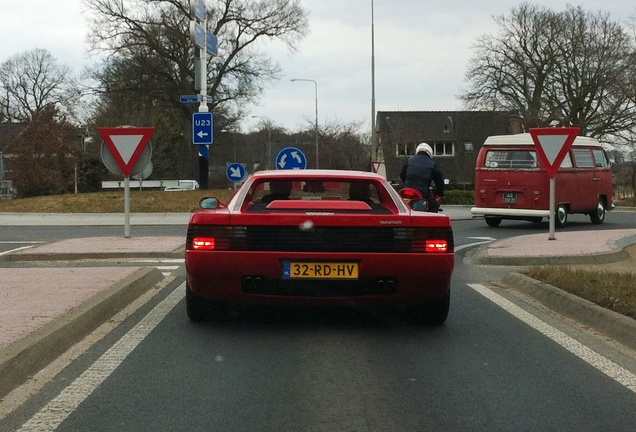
[
  {"x": 374, "y": 138},
  {"x": 269, "y": 137},
  {"x": 316, "y": 93}
]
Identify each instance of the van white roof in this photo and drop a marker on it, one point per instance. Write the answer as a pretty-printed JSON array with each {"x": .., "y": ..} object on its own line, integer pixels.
[{"x": 526, "y": 139}]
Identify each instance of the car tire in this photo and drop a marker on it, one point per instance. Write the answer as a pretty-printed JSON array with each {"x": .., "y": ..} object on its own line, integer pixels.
[
  {"x": 433, "y": 312},
  {"x": 200, "y": 309},
  {"x": 598, "y": 216},
  {"x": 493, "y": 221},
  {"x": 561, "y": 216}
]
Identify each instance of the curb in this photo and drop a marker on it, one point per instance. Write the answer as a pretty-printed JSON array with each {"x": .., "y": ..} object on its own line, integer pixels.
[
  {"x": 74, "y": 256},
  {"x": 35, "y": 351},
  {"x": 614, "y": 325},
  {"x": 481, "y": 257}
]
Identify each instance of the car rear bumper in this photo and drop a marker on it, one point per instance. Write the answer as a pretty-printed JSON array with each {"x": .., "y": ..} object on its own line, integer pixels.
[{"x": 257, "y": 278}]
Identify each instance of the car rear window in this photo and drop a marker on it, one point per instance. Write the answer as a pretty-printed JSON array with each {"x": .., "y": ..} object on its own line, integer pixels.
[
  {"x": 507, "y": 159},
  {"x": 265, "y": 192}
]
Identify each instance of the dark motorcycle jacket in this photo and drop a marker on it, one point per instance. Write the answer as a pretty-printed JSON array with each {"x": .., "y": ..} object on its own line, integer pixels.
[{"x": 420, "y": 171}]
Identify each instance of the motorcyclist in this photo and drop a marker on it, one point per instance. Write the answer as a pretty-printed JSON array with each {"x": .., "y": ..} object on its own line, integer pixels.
[{"x": 421, "y": 171}]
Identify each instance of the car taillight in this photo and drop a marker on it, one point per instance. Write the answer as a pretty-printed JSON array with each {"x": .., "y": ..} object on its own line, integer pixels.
[
  {"x": 203, "y": 243},
  {"x": 436, "y": 246}
]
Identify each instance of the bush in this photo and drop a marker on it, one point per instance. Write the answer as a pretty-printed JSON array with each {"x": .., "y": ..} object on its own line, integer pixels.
[{"x": 459, "y": 197}]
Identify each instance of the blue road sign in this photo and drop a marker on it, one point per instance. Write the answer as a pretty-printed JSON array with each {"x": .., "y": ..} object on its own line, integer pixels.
[
  {"x": 205, "y": 152},
  {"x": 291, "y": 158},
  {"x": 212, "y": 44},
  {"x": 195, "y": 98},
  {"x": 198, "y": 10},
  {"x": 236, "y": 172},
  {"x": 202, "y": 128},
  {"x": 189, "y": 98},
  {"x": 203, "y": 39}
]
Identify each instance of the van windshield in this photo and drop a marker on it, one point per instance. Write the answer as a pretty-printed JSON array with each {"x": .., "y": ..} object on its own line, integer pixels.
[{"x": 506, "y": 159}]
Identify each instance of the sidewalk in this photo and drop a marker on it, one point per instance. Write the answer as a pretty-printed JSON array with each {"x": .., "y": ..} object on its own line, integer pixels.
[{"x": 66, "y": 289}]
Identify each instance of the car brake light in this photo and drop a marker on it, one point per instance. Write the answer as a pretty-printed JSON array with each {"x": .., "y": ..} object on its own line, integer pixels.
[
  {"x": 203, "y": 243},
  {"x": 436, "y": 246}
]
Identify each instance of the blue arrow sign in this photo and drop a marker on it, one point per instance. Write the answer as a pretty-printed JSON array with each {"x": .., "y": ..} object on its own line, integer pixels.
[
  {"x": 291, "y": 158},
  {"x": 204, "y": 152},
  {"x": 236, "y": 172},
  {"x": 202, "y": 128}
]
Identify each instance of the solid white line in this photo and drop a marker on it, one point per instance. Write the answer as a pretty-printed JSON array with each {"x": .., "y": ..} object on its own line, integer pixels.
[
  {"x": 21, "y": 242},
  {"x": 167, "y": 260},
  {"x": 56, "y": 411},
  {"x": 15, "y": 250},
  {"x": 166, "y": 267},
  {"x": 601, "y": 363},
  {"x": 458, "y": 248}
]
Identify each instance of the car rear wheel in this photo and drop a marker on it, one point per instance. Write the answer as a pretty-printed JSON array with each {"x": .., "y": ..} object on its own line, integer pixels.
[
  {"x": 493, "y": 221},
  {"x": 434, "y": 312},
  {"x": 598, "y": 216},
  {"x": 561, "y": 216},
  {"x": 200, "y": 309}
]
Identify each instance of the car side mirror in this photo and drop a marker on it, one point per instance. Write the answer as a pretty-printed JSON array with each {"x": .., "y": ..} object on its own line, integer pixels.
[
  {"x": 209, "y": 203},
  {"x": 419, "y": 205}
]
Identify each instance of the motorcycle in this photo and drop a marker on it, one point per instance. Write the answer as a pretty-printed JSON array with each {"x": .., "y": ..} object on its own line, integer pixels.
[{"x": 416, "y": 201}]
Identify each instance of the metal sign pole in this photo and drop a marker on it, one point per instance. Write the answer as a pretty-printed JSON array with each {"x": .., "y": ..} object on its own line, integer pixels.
[
  {"x": 552, "y": 208},
  {"x": 127, "y": 207}
]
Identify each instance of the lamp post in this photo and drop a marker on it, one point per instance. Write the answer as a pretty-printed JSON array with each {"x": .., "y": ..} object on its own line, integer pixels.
[
  {"x": 374, "y": 138},
  {"x": 316, "y": 94},
  {"x": 269, "y": 137}
]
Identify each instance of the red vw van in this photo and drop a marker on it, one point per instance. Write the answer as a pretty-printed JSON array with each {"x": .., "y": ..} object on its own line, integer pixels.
[{"x": 510, "y": 182}]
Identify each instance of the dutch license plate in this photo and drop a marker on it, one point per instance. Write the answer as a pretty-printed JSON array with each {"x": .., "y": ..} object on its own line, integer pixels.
[
  {"x": 320, "y": 270},
  {"x": 510, "y": 197}
]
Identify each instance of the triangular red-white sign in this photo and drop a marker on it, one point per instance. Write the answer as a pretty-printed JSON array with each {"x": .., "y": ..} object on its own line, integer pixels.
[
  {"x": 552, "y": 145},
  {"x": 126, "y": 144}
]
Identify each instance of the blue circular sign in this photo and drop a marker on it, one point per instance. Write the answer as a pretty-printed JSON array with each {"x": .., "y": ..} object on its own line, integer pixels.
[
  {"x": 236, "y": 172},
  {"x": 291, "y": 158}
]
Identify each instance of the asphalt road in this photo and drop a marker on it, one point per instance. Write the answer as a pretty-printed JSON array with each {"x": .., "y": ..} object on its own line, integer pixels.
[{"x": 500, "y": 363}]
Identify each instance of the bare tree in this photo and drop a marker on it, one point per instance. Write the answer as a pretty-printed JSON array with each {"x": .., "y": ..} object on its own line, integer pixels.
[
  {"x": 570, "y": 68},
  {"x": 150, "y": 61},
  {"x": 153, "y": 37},
  {"x": 33, "y": 80}
]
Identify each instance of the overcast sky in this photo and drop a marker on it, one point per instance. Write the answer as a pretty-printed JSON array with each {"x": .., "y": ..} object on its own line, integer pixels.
[{"x": 422, "y": 48}]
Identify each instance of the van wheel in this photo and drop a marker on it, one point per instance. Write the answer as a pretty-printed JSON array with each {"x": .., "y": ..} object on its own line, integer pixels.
[
  {"x": 561, "y": 216},
  {"x": 493, "y": 221},
  {"x": 598, "y": 216}
]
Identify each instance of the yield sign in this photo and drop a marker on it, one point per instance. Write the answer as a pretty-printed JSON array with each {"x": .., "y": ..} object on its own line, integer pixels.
[
  {"x": 552, "y": 145},
  {"x": 126, "y": 144}
]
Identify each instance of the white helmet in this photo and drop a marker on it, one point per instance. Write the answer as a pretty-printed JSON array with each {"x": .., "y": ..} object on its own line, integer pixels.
[{"x": 424, "y": 148}]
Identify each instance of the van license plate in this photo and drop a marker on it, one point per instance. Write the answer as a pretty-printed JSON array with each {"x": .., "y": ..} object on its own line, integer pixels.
[
  {"x": 510, "y": 197},
  {"x": 320, "y": 270}
]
